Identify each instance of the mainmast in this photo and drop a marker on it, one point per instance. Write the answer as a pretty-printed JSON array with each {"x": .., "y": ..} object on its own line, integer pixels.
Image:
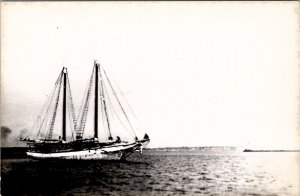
[
  {"x": 64, "y": 104},
  {"x": 96, "y": 101}
]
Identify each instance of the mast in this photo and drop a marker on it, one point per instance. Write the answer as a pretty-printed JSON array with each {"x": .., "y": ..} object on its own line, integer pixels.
[
  {"x": 64, "y": 104},
  {"x": 96, "y": 101}
]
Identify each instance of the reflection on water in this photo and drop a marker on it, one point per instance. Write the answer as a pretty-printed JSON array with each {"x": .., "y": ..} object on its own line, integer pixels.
[{"x": 158, "y": 173}]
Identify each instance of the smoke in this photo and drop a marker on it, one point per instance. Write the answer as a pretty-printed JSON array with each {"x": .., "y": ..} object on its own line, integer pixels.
[
  {"x": 5, "y": 136},
  {"x": 5, "y": 132},
  {"x": 10, "y": 139}
]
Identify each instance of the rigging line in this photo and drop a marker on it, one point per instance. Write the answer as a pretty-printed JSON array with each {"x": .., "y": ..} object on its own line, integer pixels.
[
  {"x": 108, "y": 111},
  {"x": 54, "y": 110},
  {"x": 71, "y": 122},
  {"x": 35, "y": 124},
  {"x": 48, "y": 113},
  {"x": 105, "y": 110},
  {"x": 123, "y": 96},
  {"x": 103, "y": 119},
  {"x": 51, "y": 99},
  {"x": 80, "y": 111},
  {"x": 37, "y": 121},
  {"x": 43, "y": 109},
  {"x": 86, "y": 107},
  {"x": 82, "y": 103},
  {"x": 105, "y": 130},
  {"x": 114, "y": 110},
  {"x": 119, "y": 102},
  {"x": 83, "y": 100},
  {"x": 71, "y": 110},
  {"x": 71, "y": 105},
  {"x": 51, "y": 126}
]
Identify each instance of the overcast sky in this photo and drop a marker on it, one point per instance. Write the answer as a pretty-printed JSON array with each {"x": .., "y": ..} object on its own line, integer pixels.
[{"x": 195, "y": 73}]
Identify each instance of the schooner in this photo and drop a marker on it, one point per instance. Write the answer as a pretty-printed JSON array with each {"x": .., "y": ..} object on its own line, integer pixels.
[{"x": 47, "y": 145}]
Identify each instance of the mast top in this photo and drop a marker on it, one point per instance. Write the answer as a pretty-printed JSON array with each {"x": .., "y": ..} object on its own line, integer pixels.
[
  {"x": 96, "y": 63},
  {"x": 64, "y": 70}
]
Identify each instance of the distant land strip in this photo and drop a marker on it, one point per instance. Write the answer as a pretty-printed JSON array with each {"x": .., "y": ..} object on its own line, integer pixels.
[
  {"x": 249, "y": 150},
  {"x": 194, "y": 148}
]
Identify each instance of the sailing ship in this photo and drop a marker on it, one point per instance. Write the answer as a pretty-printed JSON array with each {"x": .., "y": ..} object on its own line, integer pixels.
[{"x": 48, "y": 145}]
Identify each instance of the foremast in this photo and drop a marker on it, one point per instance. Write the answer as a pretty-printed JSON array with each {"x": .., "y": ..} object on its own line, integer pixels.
[
  {"x": 45, "y": 125},
  {"x": 62, "y": 83},
  {"x": 64, "y": 109},
  {"x": 96, "y": 102}
]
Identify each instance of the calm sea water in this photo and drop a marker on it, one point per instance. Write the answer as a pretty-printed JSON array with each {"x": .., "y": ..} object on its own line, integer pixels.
[{"x": 158, "y": 173}]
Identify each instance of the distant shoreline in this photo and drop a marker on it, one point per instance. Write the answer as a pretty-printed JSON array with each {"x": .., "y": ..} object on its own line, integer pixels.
[
  {"x": 249, "y": 150},
  {"x": 182, "y": 148}
]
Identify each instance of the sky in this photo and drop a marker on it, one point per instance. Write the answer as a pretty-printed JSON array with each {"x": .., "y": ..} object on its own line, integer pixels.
[{"x": 195, "y": 73}]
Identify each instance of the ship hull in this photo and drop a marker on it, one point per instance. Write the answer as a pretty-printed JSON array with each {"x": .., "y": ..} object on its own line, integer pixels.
[{"x": 113, "y": 152}]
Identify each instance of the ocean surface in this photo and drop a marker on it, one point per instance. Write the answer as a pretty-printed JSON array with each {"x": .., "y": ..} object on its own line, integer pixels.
[{"x": 208, "y": 172}]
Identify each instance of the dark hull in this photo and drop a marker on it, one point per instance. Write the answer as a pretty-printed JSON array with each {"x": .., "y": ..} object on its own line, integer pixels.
[{"x": 84, "y": 150}]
